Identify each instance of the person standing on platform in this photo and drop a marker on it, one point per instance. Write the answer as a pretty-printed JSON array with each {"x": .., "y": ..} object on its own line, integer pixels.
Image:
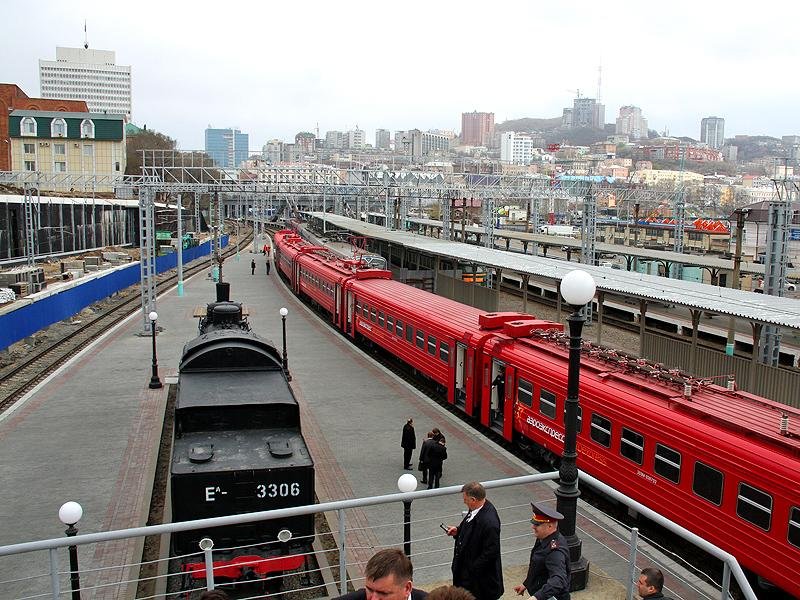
[
  {"x": 253, "y": 267},
  {"x": 423, "y": 456},
  {"x": 549, "y": 569},
  {"x": 408, "y": 443},
  {"x": 650, "y": 584},
  {"x": 436, "y": 456},
  {"x": 267, "y": 266},
  {"x": 476, "y": 556}
]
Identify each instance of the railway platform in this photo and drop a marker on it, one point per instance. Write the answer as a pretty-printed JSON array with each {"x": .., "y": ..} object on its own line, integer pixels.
[{"x": 91, "y": 432}]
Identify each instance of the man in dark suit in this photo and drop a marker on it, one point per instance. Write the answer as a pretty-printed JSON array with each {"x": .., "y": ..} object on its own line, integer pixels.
[
  {"x": 408, "y": 443},
  {"x": 388, "y": 576},
  {"x": 476, "y": 556}
]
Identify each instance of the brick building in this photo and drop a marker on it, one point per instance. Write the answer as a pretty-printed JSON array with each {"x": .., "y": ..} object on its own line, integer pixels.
[{"x": 13, "y": 98}]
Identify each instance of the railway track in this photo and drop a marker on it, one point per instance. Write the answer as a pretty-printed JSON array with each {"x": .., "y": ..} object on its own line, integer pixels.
[{"x": 24, "y": 376}]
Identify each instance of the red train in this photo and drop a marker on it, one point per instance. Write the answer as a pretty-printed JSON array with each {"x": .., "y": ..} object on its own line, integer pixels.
[{"x": 725, "y": 464}]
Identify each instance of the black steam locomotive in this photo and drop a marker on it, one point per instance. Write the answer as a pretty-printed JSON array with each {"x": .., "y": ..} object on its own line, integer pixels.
[{"x": 238, "y": 447}]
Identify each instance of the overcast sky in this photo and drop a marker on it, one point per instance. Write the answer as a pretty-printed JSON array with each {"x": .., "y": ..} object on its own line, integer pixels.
[{"x": 275, "y": 68}]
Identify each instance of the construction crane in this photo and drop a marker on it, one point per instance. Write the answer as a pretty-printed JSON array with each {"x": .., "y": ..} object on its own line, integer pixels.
[{"x": 576, "y": 92}]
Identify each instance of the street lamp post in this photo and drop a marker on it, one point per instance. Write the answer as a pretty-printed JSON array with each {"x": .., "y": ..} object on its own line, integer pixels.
[
  {"x": 69, "y": 514},
  {"x": 407, "y": 483},
  {"x": 577, "y": 288},
  {"x": 155, "y": 382},
  {"x": 285, "y": 311}
]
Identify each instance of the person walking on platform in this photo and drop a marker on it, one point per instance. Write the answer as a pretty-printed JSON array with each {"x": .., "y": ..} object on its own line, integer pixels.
[
  {"x": 476, "y": 556},
  {"x": 436, "y": 456},
  {"x": 253, "y": 267},
  {"x": 408, "y": 443},
  {"x": 267, "y": 266},
  {"x": 388, "y": 576},
  {"x": 650, "y": 584},
  {"x": 423, "y": 456},
  {"x": 549, "y": 569}
]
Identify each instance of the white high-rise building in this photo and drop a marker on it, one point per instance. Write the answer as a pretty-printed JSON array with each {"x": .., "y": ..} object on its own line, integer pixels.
[
  {"x": 630, "y": 122},
  {"x": 516, "y": 149},
  {"x": 90, "y": 75}
]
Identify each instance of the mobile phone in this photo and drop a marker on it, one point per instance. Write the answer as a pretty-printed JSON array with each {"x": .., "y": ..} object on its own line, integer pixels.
[{"x": 445, "y": 529}]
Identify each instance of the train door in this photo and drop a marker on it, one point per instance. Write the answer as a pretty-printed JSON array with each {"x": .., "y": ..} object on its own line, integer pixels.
[
  {"x": 460, "y": 396},
  {"x": 497, "y": 396},
  {"x": 348, "y": 328},
  {"x": 337, "y": 307}
]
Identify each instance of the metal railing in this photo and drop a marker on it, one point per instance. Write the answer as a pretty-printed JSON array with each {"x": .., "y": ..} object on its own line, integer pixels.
[{"x": 110, "y": 579}]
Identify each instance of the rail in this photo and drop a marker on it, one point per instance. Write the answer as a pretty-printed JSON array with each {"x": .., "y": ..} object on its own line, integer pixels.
[{"x": 518, "y": 541}]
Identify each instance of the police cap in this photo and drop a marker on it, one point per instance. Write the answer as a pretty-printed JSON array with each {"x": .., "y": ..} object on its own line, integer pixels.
[{"x": 543, "y": 513}]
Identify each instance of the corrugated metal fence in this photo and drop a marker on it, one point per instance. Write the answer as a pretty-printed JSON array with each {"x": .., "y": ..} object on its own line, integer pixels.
[
  {"x": 467, "y": 293},
  {"x": 775, "y": 383},
  {"x": 30, "y": 318}
]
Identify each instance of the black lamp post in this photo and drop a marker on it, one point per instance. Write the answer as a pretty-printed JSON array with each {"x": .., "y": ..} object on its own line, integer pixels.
[
  {"x": 69, "y": 514},
  {"x": 285, "y": 311},
  {"x": 407, "y": 483},
  {"x": 577, "y": 288},
  {"x": 155, "y": 382}
]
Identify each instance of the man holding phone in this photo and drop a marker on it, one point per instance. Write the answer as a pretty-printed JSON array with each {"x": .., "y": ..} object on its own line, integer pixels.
[{"x": 476, "y": 556}]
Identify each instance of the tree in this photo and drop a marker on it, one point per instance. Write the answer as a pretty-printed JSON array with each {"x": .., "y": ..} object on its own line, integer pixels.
[{"x": 144, "y": 140}]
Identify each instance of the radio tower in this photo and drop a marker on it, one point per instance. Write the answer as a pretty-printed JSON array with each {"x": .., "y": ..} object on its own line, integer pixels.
[{"x": 599, "y": 80}]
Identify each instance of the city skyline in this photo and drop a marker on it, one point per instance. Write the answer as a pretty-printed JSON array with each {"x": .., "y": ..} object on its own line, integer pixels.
[{"x": 274, "y": 71}]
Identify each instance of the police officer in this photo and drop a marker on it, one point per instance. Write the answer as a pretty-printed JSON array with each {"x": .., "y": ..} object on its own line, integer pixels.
[{"x": 549, "y": 570}]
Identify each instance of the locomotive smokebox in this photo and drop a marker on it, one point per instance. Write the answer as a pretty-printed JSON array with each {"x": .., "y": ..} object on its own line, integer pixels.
[{"x": 223, "y": 292}]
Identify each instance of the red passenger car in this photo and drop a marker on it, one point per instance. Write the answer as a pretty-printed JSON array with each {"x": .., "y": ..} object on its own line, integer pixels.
[{"x": 724, "y": 464}]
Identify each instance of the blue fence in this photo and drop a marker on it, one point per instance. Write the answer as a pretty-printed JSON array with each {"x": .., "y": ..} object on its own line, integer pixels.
[{"x": 26, "y": 320}]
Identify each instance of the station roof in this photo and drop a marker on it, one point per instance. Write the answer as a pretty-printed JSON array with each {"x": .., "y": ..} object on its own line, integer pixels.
[
  {"x": 695, "y": 260},
  {"x": 763, "y": 308}
]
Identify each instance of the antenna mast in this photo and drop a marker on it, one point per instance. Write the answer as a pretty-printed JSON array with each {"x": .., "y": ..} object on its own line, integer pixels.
[{"x": 85, "y": 36}]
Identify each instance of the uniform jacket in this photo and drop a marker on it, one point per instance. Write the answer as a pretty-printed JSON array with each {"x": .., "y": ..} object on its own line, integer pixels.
[
  {"x": 549, "y": 568},
  {"x": 409, "y": 437},
  {"x": 362, "y": 595},
  {"x": 476, "y": 557}
]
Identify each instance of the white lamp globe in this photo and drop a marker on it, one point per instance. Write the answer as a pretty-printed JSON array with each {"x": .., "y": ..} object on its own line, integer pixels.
[
  {"x": 153, "y": 316},
  {"x": 578, "y": 287},
  {"x": 70, "y": 513},
  {"x": 284, "y": 311},
  {"x": 407, "y": 483}
]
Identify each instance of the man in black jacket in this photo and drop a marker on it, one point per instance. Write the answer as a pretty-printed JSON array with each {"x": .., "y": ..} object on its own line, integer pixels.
[
  {"x": 476, "y": 556},
  {"x": 423, "y": 456},
  {"x": 388, "y": 576},
  {"x": 408, "y": 443},
  {"x": 650, "y": 584},
  {"x": 549, "y": 567}
]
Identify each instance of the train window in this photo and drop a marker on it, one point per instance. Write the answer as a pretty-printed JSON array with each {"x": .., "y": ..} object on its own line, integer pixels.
[
  {"x": 525, "y": 392},
  {"x": 431, "y": 345},
  {"x": 380, "y": 318},
  {"x": 444, "y": 352},
  {"x": 707, "y": 483},
  {"x": 601, "y": 430},
  {"x": 794, "y": 526},
  {"x": 420, "y": 339},
  {"x": 632, "y": 446},
  {"x": 373, "y": 315},
  {"x": 390, "y": 324},
  {"x": 358, "y": 308},
  {"x": 668, "y": 463},
  {"x": 547, "y": 403},
  {"x": 754, "y": 506},
  {"x": 409, "y": 333},
  {"x": 366, "y": 311},
  {"x": 398, "y": 328}
]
